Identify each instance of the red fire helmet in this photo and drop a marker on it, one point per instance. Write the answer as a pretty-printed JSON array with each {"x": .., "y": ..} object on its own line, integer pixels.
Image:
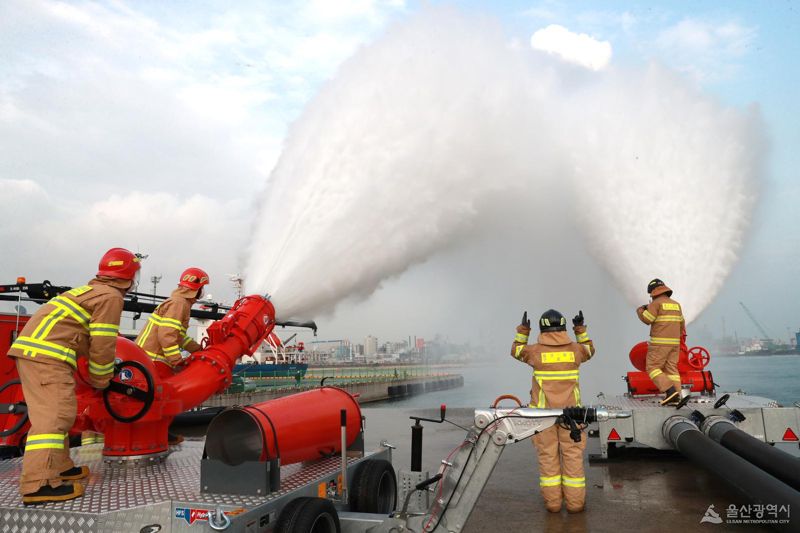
[
  {"x": 193, "y": 278},
  {"x": 119, "y": 263}
]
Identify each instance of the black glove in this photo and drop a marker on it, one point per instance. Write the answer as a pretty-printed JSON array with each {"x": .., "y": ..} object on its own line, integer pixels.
[
  {"x": 525, "y": 320},
  {"x": 577, "y": 320}
]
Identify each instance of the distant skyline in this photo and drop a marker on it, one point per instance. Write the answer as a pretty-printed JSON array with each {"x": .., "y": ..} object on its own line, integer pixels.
[{"x": 155, "y": 125}]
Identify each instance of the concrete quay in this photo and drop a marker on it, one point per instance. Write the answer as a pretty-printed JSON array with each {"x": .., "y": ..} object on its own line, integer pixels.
[{"x": 366, "y": 391}]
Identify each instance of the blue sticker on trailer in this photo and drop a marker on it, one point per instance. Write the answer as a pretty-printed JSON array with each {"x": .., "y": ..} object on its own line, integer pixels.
[{"x": 191, "y": 515}]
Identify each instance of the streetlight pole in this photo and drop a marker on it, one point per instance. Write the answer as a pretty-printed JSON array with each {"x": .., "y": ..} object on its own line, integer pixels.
[{"x": 155, "y": 280}]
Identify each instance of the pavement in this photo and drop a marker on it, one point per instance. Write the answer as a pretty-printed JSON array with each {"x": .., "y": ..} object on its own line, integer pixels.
[{"x": 647, "y": 493}]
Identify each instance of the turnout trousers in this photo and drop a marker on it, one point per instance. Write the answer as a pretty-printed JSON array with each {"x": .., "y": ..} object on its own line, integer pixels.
[
  {"x": 662, "y": 366},
  {"x": 49, "y": 391},
  {"x": 561, "y": 475}
]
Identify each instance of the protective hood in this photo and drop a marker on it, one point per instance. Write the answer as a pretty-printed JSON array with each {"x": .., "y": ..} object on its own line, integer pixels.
[
  {"x": 186, "y": 293},
  {"x": 554, "y": 338},
  {"x": 121, "y": 284}
]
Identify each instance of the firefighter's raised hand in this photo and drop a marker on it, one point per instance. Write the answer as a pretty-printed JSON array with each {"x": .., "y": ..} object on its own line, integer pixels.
[
  {"x": 577, "y": 320},
  {"x": 526, "y": 322}
]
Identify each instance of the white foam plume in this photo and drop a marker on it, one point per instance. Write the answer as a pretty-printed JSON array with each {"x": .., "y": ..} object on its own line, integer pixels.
[{"x": 440, "y": 125}]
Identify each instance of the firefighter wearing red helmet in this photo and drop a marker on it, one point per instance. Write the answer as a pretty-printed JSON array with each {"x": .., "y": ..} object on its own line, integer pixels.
[
  {"x": 556, "y": 359},
  {"x": 83, "y": 321},
  {"x": 164, "y": 335},
  {"x": 667, "y": 328}
]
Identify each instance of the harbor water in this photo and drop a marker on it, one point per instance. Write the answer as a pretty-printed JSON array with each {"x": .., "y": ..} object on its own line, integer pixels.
[{"x": 772, "y": 376}]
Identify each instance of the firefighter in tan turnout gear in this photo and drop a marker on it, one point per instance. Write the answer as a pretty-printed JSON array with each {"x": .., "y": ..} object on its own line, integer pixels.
[
  {"x": 164, "y": 335},
  {"x": 556, "y": 359},
  {"x": 83, "y": 321},
  {"x": 667, "y": 328}
]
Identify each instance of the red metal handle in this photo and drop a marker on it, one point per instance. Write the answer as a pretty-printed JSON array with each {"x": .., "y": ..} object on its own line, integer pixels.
[{"x": 506, "y": 397}]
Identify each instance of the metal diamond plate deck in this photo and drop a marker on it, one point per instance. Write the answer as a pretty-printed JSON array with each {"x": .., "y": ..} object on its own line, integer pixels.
[
  {"x": 113, "y": 491},
  {"x": 737, "y": 401}
]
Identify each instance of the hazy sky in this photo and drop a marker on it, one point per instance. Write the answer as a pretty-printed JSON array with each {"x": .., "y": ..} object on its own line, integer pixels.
[{"x": 155, "y": 125}]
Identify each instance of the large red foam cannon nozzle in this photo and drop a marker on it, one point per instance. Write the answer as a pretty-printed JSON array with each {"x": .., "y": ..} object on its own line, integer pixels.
[{"x": 135, "y": 412}]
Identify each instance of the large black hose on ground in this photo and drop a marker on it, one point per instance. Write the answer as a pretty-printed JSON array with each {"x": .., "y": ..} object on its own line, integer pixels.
[
  {"x": 768, "y": 458},
  {"x": 750, "y": 481},
  {"x": 196, "y": 418}
]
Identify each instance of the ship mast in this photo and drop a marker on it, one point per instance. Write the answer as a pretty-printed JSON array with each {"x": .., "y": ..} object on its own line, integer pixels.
[{"x": 238, "y": 284}]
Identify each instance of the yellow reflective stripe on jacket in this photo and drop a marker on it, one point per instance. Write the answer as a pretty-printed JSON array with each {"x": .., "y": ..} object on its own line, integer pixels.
[
  {"x": 577, "y": 391},
  {"x": 186, "y": 340},
  {"x": 99, "y": 329},
  {"x": 542, "y": 400},
  {"x": 556, "y": 375},
  {"x": 558, "y": 357},
  {"x": 669, "y": 318},
  {"x": 44, "y": 441},
  {"x": 551, "y": 481},
  {"x": 670, "y": 307},
  {"x": 146, "y": 333},
  {"x": 648, "y": 315},
  {"x": 101, "y": 370},
  {"x": 573, "y": 481},
  {"x": 47, "y": 323},
  {"x": 674, "y": 377},
  {"x": 172, "y": 350},
  {"x": 33, "y": 347},
  {"x": 166, "y": 322},
  {"x": 78, "y": 291},
  {"x": 665, "y": 341},
  {"x": 521, "y": 337},
  {"x": 81, "y": 315},
  {"x": 518, "y": 350},
  {"x": 157, "y": 356},
  {"x": 582, "y": 337},
  {"x": 655, "y": 372}
]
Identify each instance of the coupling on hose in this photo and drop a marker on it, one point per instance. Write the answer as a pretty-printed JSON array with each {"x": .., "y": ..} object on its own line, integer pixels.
[
  {"x": 674, "y": 427},
  {"x": 716, "y": 426}
]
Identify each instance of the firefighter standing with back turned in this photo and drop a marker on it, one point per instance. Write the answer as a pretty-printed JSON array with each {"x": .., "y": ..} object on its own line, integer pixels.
[
  {"x": 83, "y": 321},
  {"x": 667, "y": 328},
  {"x": 555, "y": 359},
  {"x": 164, "y": 335}
]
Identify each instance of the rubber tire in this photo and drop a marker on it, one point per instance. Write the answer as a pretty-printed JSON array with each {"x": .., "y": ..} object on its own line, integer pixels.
[
  {"x": 365, "y": 495},
  {"x": 302, "y": 515}
]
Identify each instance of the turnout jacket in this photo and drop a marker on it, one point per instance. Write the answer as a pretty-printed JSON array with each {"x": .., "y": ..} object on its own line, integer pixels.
[
  {"x": 164, "y": 335},
  {"x": 665, "y": 318},
  {"x": 82, "y": 321},
  {"x": 555, "y": 359}
]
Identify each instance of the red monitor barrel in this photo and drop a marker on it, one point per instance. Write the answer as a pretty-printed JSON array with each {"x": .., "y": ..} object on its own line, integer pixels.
[{"x": 301, "y": 427}]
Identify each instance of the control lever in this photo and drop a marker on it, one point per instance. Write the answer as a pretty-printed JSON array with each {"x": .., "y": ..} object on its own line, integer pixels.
[{"x": 422, "y": 485}]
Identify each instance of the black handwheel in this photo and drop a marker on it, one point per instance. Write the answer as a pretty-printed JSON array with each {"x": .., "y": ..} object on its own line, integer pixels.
[
  {"x": 722, "y": 401},
  {"x": 374, "y": 488},
  {"x": 683, "y": 401},
  {"x": 118, "y": 387},
  {"x": 19, "y": 408},
  {"x": 308, "y": 515}
]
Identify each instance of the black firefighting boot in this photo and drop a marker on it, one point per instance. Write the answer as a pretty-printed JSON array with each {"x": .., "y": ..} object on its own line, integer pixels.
[
  {"x": 48, "y": 494},
  {"x": 671, "y": 397},
  {"x": 76, "y": 472}
]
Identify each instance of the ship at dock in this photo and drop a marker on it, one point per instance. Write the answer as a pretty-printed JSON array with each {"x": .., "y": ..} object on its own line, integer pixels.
[{"x": 275, "y": 359}]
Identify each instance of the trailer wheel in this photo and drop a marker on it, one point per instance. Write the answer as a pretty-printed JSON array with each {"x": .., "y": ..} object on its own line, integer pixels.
[
  {"x": 308, "y": 515},
  {"x": 374, "y": 488}
]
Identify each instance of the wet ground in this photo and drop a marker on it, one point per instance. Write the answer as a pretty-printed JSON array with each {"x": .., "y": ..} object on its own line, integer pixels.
[{"x": 643, "y": 494}]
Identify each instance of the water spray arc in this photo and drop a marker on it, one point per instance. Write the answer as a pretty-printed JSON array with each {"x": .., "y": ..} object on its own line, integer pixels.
[{"x": 440, "y": 125}]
